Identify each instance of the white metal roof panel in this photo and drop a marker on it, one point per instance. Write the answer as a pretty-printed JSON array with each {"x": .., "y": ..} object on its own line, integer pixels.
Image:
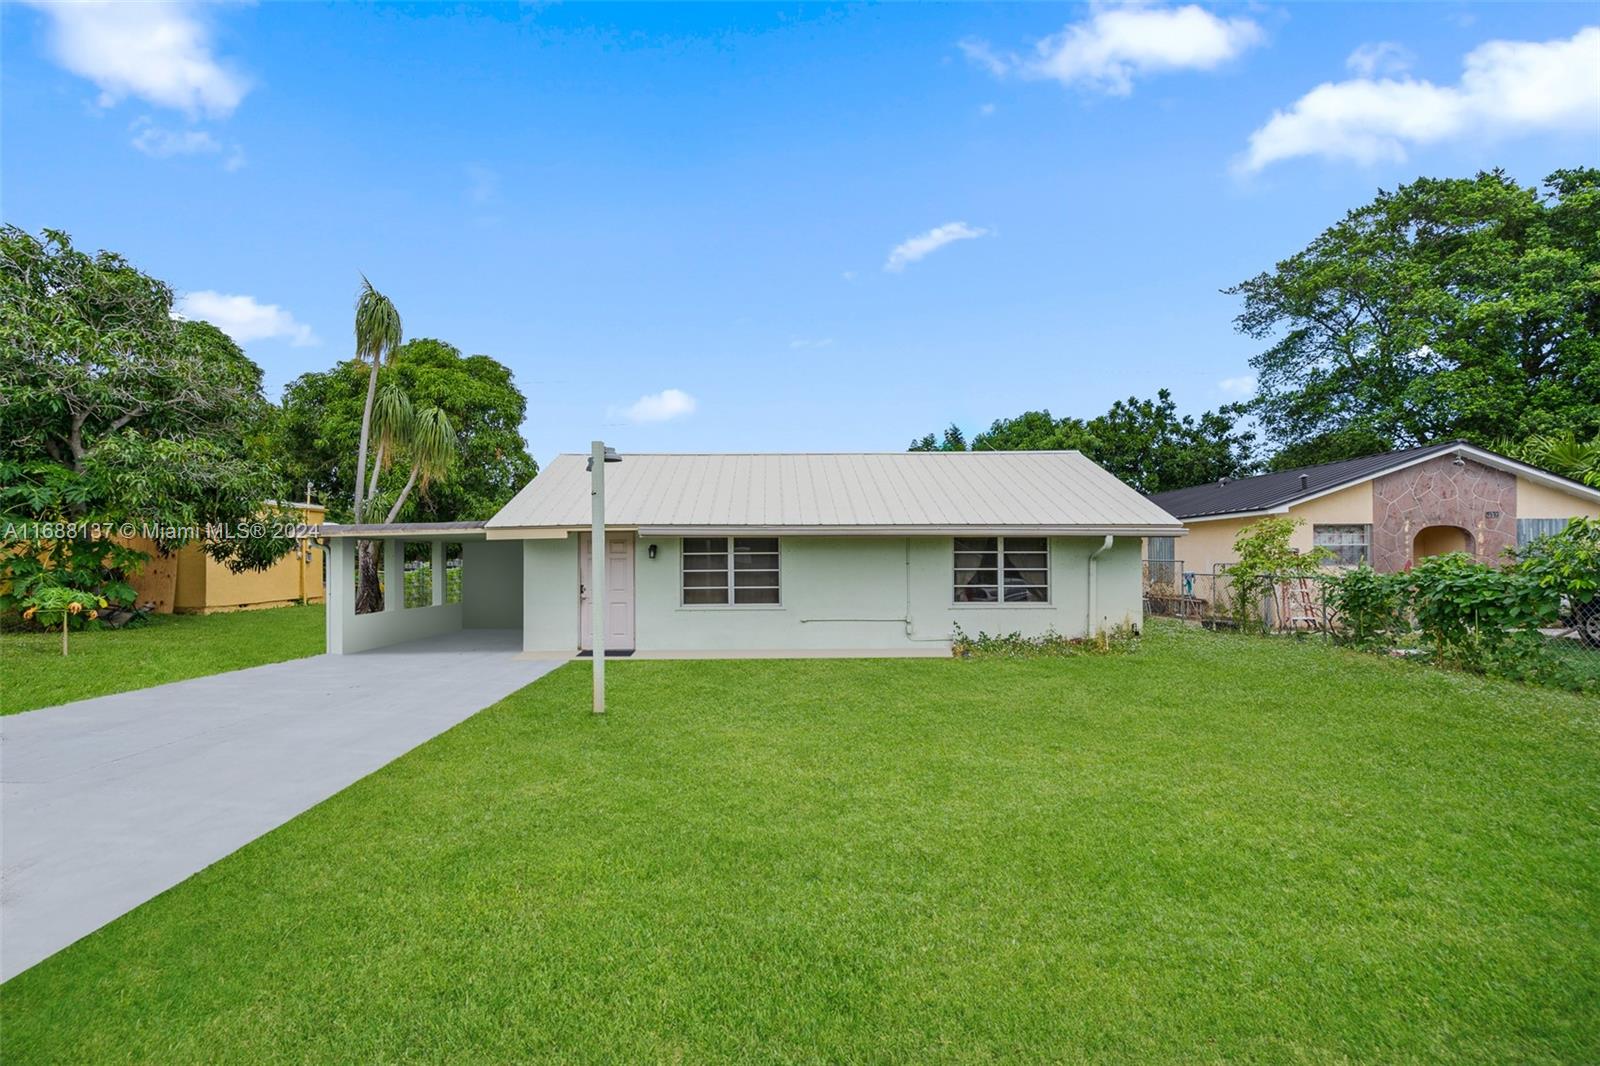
[{"x": 841, "y": 492}]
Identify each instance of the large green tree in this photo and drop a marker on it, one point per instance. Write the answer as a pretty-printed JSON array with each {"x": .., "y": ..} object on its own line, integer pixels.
[
  {"x": 114, "y": 412},
  {"x": 319, "y": 426},
  {"x": 1447, "y": 308},
  {"x": 1144, "y": 442}
]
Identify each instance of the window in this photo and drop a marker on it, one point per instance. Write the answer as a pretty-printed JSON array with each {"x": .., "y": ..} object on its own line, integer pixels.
[
  {"x": 1531, "y": 529},
  {"x": 709, "y": 562},
  {"x": 1002, "y": 570},
  {"x": 1350, "y": 545}
]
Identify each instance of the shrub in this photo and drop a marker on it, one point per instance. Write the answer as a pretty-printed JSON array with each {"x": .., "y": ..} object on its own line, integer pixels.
[
  {"x": 1265, "y": 559},
  {"x": 1120, "y": 639},
  {"x": 1369, "y": 608}
]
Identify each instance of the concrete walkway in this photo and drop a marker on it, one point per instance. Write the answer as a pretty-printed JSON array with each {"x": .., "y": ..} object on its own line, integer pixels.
[{"x": 110, "y": 801}]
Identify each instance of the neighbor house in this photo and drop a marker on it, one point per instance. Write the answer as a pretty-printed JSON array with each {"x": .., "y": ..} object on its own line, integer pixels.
[
  {"x": 1385, "y": 510},
  {"x": 188, "y": 581},
  {"x": 767, "y": 554}
]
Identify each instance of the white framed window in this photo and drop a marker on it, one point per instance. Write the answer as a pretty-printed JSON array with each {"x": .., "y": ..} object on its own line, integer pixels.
[
  {"x": 730, "y": 572},
  {"x": 1001, "y": 570},
  {"x": 1351, "y": 545}
]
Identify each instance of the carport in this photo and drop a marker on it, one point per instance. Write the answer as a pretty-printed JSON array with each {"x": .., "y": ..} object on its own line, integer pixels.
[{"x": 437, "y": 578}]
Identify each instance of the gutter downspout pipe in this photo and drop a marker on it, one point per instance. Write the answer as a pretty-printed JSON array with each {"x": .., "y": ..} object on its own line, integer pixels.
[{"x": 1094, "y": 585}]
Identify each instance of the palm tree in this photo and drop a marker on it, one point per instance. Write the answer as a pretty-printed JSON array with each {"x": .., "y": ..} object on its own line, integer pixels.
[
  {"x": 378, "y": 334},
  {"x": 431, "y": 440}
]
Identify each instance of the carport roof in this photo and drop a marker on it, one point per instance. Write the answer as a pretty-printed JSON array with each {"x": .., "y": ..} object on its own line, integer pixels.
[
  {"x": 1055, "y": 492},
  {"x": 398, "y": 529}
]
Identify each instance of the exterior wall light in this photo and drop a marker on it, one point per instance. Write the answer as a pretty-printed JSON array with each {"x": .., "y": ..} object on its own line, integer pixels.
[{"x": 651, "y": 551}]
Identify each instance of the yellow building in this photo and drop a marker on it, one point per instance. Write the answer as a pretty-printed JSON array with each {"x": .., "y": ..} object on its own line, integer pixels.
[
  {"x": 1386, "y": 510},
  {"x": 190, "y": 582}
]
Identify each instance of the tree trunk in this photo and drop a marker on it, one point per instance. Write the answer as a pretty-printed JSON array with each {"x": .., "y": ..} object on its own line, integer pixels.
[
  {"x": 369, "y": 595},
  {"x": 64, "y": 617},
  {"x": 366, "y": 429},
  {"x": 401, "y": 501}
]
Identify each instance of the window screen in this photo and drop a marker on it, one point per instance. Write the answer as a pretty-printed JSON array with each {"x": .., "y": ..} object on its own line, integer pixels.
[{"x": 1350, "y": 544}]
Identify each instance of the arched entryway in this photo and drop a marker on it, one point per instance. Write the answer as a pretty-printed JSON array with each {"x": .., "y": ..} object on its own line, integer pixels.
[{"x": 1440, "y": 540}]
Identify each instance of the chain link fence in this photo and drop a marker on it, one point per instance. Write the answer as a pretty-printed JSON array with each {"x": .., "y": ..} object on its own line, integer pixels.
[{"x": 1564, "y": 653}]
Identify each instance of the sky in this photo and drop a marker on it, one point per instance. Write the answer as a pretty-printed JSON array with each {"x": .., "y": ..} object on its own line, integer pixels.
[{"x": 766, "y": 228}]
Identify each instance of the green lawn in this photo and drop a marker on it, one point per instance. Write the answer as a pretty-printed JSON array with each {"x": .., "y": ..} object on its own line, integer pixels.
[
  {"x": 171, "y": 647},
  {"x": 1218, "y": 848}
]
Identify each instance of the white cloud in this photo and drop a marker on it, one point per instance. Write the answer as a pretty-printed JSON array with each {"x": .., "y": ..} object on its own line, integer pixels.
[
  {"x": 1242, "y": 386},
  {"x": 243, "y": 319},
  {"x": 1115, "y": 44},
  {"x": 985, "y": 110},
  {"x": 163, "y": 143},
  {"x": 160, "y": 52},
  {"x": 660, "y": 406},
  {"x": 925, "y": 244},
  {"x": 1506, "y": 87},
  {"x": 1381, "y": 57}
]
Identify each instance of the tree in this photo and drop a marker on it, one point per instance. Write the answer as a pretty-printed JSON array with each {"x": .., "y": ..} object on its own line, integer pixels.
[
  {"x": 1143, "y": 442},
  {"x": 318, "y": 429},
  {"x": 1446, "y": 308},
  {"x": 378, "y": 333},
  {"x": 111, "y": 413},
  {"x": 1348, "y": 442}
]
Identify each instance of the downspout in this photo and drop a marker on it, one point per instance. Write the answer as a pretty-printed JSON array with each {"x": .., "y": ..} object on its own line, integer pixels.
[{"x": 1094, "y": 585}]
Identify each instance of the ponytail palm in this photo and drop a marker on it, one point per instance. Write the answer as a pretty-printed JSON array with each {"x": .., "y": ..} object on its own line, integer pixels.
[
  {"x": 378, "y": 334},
  {"x": 432, "y": 445}
]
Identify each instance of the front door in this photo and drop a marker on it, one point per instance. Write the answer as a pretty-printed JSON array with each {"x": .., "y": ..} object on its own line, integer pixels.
[{"x": 618, "y": 595}]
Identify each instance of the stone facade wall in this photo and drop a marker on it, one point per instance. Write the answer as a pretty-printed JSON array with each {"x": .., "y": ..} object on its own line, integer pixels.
[{"x": 1477, "y": 498}]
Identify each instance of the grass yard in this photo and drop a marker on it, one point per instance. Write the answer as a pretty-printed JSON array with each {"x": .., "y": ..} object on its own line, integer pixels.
[
  {"x": 171, "y": 647},
  {"x": 1218, "y": 848}
]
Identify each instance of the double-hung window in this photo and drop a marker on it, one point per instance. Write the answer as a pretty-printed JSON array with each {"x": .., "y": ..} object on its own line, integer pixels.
[
  {"x": 730, "y": 571},
  {"x": 1350, "y": 544},
  {"x": 1002, "y": 570}
]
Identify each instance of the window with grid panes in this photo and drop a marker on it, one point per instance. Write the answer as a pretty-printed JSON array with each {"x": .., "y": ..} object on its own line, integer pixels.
[
  {"x": 1002, "y": 570},
  {"x": 730, "y": 571}
]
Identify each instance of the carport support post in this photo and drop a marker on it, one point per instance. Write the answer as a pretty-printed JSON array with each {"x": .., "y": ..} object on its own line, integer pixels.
[
  {"x": 597, "y": 568},
  {"x": 437, "y": 570},
  {"x": 394, "y": 574}
]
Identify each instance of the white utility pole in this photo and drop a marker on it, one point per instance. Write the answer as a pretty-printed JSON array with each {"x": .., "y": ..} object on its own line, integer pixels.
[{"x": 599, "y": 456}]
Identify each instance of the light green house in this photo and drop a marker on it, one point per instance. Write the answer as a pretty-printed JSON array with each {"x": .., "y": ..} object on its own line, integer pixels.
[{"x": 787, "y": 554}]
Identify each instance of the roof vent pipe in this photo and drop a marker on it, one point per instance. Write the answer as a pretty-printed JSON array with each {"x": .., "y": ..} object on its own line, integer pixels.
[
  {"x": 1222, "y": 482},
  {"x": 1305, "y": 479}
]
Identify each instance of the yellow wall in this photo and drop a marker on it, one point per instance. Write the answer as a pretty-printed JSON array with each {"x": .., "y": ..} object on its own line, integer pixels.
[
  {"x": 1540, "y": 501},
  {"x": 191, "y": 582},
  {"x": 1211, "y": 542}
]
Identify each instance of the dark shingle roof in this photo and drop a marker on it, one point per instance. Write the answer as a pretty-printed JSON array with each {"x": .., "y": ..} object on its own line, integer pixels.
[{"x": 1266, "y": 491}]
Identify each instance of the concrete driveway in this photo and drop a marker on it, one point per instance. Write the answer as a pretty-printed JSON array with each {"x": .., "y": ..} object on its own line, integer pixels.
[{"x": 110, "y": 801}]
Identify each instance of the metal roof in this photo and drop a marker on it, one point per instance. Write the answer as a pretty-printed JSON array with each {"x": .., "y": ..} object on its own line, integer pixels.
[
  {"x": 885, "y": 492},
  {"x": 1278, "y": 490}
]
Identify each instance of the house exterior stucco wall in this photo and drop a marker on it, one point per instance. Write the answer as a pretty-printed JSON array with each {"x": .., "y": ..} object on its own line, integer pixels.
[
  {"x": 867, "y": 593},
  {"x": 491, "y": 584},
  {"x": 1540, "y": 501}
]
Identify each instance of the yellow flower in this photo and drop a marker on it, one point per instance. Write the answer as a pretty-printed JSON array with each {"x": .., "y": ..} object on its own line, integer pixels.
[
  {"x": 30, "y": 612},
  {"x": 74, "y": 607},
  {"x": 94, "y": 614}
]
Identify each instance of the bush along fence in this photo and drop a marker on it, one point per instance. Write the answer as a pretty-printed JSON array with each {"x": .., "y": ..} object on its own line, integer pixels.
[{"x": 1536, "y": 618}]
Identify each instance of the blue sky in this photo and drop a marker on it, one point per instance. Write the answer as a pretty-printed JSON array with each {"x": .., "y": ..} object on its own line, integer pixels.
[{"x": 700, "y": 206}]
